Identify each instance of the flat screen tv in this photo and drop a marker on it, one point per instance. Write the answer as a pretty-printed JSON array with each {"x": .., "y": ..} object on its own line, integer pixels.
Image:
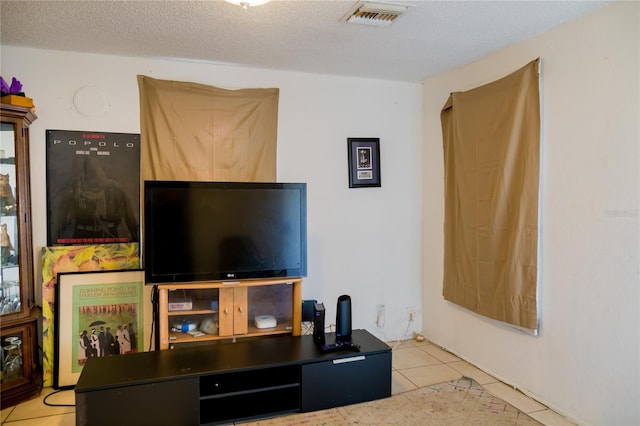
[{"x": 212, "y": 231}]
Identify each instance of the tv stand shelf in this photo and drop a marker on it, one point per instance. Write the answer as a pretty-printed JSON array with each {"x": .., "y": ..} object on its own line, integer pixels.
[
  {"x": 224, "y": 382},
  {"x": 231, "y": 306}
]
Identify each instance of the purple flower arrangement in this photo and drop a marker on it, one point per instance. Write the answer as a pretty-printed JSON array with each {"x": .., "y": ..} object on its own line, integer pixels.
[{"x": 14, "y": 89}]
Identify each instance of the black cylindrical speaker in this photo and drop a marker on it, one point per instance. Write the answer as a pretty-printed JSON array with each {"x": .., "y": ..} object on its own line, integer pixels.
[{"x": 343, "y": 320}]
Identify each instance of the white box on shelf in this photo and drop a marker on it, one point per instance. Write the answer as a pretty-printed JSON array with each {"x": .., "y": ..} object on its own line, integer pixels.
[{"x": 181, "y": 306}]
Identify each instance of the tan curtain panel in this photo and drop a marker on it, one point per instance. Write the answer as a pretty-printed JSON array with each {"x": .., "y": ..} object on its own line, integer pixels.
[
  {"x": 491, "y": 140},
  {"x": 191, "y": 131}
]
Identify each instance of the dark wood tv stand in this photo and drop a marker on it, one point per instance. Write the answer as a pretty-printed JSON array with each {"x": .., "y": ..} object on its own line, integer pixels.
[{"x": 221, "y": 382}]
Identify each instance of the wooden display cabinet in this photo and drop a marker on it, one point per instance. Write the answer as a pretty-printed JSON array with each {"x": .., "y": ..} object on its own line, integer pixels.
[
  {"x": 21, "y": 371},
  {"x": 198, "y": 312}
]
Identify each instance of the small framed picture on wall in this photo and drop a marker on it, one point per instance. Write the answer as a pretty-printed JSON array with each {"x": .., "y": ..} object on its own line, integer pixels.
[{"x": 364, "y": 162}]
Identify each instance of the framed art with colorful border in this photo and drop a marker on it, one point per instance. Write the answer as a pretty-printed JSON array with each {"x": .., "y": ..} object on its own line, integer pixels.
[
  {"x": 93, "y": 258},
  {"x": 364, "y": 162},
  {"x": 100, "y": 314}
]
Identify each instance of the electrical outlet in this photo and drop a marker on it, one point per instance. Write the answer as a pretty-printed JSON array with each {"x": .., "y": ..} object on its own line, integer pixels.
[
  {"x": 411, "y": 313},
  {"x": 380, "y": 315}
]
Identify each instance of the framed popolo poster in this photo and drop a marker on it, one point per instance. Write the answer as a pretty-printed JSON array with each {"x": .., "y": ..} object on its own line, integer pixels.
[{"x": 93, "y": 187}]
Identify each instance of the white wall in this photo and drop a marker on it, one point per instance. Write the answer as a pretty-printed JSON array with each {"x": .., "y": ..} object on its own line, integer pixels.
[
  {"x": 585, "y": 363},
  {"x": 362, "y": 242}
]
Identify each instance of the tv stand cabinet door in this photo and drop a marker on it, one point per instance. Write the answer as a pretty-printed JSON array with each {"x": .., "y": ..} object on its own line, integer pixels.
[
  {"x": 167, "y": 402},
  {"x": 359, "y": 378},
  {"x": 240, "y": 316},
  {"x": 225, "y": 317},
  {"x": 233, "y": 311}
]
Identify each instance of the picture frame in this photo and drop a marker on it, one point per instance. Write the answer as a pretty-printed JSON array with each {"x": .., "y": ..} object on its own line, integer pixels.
[
  {"x": 364, "y": 162},
  {"x": 93, "y": 187},
  {"x": 90, "y": 303},
  {"x": 91, "y": 258}
]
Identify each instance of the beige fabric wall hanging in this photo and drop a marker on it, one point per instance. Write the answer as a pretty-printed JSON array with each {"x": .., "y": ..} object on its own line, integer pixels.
[
  {"x": 491, "y": 141},
  {"x": 191, "y": 131}
]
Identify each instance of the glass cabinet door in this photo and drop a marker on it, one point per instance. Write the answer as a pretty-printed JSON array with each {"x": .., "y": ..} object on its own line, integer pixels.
[
  {"x": 10, "y": 295},
  {"x": 18, "y": 377},
  {"x": 21, "y": 373},
  {"x": 12, "y": 357}
]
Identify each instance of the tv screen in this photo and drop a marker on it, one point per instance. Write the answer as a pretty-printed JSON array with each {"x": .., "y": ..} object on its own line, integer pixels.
[{"x": 211, "y": 231}]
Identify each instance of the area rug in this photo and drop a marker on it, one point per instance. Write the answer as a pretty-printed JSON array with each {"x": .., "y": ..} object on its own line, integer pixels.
[{"x": 456, "y": 403}]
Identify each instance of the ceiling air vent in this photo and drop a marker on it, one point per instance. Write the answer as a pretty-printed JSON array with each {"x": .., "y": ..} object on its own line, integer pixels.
[{"x": 375, "y": 13}]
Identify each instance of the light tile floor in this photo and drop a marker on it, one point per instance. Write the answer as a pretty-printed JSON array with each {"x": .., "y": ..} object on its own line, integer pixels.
[{"x": 415, "y": 364}]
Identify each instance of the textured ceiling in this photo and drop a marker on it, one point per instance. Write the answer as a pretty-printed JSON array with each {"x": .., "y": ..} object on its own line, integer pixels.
[{"x": 302, "y": 35}]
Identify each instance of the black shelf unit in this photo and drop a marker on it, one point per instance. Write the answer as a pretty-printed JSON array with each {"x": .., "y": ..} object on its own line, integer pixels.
[
  {"x": 258, "y": 391},
  {"x": 223, "y": 382}
]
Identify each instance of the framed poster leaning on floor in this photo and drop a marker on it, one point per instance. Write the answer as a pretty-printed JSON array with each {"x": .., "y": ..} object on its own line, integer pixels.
[{"x": 101, "y": 314}]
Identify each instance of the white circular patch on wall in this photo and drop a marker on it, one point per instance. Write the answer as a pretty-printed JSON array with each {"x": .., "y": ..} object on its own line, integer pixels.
[{"x": 90, "y": 101}]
